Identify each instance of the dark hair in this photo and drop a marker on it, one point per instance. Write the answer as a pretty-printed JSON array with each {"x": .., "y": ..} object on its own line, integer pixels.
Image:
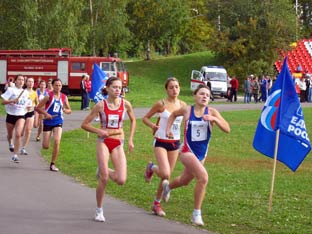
[
  {"x": 53, "y": 81},
  {"x": 42, "y": 81},
  {"x": 109, "y": 83},
  {"x": 18, "y": 75},
  {"x": 200, "y": 87},
  {"x": 169, "y": 80}
]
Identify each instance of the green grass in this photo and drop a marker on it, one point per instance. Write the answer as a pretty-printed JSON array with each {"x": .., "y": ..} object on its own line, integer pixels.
[
  {"x": 239, "y": 180},
  {"x": 147, "y": 78}
]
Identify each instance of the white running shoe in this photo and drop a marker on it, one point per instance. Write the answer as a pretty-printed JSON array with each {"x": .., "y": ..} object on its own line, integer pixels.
[
  {"x": 23, "y": 151},
  {"x": 166, "y": 190},
  {"x": 99, "y": 217},
  {"x": 15, "y": 159},
  {"x": 11, "y": 147},
  {"x": 197, "y": 220}
]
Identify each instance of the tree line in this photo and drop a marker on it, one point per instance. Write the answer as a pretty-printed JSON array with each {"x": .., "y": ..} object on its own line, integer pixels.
[{"x": 245, "y": 34}]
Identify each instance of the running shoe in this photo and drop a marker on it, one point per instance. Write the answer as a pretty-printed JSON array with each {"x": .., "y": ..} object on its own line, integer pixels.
[
  {"x": 156, "y": 208},
  {"x": 53, "y": 168},
  {"x": 37, "y": 138},
  {"x": 148, "y": 172},
  {"x": 11, "y": 147},
  {"x": 99, "y": 217},
  {"x": 23, "y": 151},
  {"x": 15, "y": 159},
  {"x": 166, "y": 190},
  {"x": 197, "y": 220}
]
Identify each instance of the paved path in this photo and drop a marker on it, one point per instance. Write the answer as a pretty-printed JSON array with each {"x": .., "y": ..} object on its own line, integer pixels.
[{"x": 34, "y": 200}]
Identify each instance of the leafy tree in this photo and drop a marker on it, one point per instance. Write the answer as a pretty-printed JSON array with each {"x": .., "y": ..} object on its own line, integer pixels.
[
  {"x": 158, "y": 24},
  {"x": 18, "y": 24},
  {"x": 304, "y": 15},
  {"x": 109, "y": 31},
  {"x": 251, "y": 32}
]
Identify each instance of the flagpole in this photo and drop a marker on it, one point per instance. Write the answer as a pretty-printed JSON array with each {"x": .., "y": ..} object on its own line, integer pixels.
[{"x": 274, "y": 169}]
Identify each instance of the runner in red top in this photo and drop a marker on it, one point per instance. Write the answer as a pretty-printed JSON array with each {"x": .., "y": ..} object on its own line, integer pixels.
[{"x": 110, "y": 139}]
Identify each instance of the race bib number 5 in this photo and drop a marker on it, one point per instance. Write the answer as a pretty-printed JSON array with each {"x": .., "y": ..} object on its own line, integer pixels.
[{"x": 199, "y": 131}]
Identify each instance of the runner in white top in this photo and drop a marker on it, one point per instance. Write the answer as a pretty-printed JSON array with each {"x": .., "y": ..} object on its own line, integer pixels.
[
  {"x": 166, "y": 150},
  {"x": 16, "y": 101}
]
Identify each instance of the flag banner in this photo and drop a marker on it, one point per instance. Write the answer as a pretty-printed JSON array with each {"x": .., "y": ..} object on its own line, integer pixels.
[
  {"x": 282, "y": 110},
  {"x": 99, "y": 79}
]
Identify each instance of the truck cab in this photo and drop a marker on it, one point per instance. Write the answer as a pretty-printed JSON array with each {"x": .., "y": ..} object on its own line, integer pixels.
[{"x": 213, "y": 76}]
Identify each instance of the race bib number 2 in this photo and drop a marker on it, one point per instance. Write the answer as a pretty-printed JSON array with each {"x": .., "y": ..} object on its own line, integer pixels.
[{"x": 113, "y": 121}]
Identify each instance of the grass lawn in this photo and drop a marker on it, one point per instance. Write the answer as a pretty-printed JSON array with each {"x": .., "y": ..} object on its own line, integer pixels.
[{"x": 239, "y": 180}]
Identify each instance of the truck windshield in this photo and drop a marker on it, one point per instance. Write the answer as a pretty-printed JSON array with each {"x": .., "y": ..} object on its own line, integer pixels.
[
  {"x": 216, "y": 76},
  {"x": 107, "y": 66}
]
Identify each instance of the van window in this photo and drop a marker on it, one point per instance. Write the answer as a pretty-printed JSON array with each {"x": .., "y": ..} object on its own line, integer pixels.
[{"x": 216, "y": 76}]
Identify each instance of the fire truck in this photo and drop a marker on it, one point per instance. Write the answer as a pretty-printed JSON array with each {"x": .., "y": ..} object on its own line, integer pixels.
[{"x": 58, "y": 63}]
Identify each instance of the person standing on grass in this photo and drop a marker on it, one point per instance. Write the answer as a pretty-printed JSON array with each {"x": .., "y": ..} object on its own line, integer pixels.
[
  {"x": 84, "y": 92},
  {"x": 52, "y": 107},
  {"x": 199, "y": 120},
  {"x": 29, "y": 117},
  {"x": 234, "y": 89},
  {"x": 15, "y": 100},
  {"x": 41, "y": 93},
  {"x": 110, "y": 139},
  {"x": 166, "y": 150}
]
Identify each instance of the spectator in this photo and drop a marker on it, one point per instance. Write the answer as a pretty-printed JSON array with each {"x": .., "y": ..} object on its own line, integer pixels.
[
  {"x": 234, "y": 89},
  {"x": 310, "y": 89},
  {"x": 247, "y": 89},
  {"x": 263, "y": 89},
  {"x": 255, "y": 88},
  {"x": 88, "y": 88},
  {"x": 84, "y": 93}
]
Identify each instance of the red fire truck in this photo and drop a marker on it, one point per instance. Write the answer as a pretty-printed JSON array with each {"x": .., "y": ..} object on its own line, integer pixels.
[{"x": 57, "y": 63}]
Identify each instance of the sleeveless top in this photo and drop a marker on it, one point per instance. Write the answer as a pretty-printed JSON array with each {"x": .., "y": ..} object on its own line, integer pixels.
[
  {"x": 41, "y": 95},
  {"x": 113, "y": 119},
  {"x": 32, "y": 100},
  {"x": 197, "y": 134},
  {"x": 54, "y": 107},
  {"x": 175, "y": 128}
]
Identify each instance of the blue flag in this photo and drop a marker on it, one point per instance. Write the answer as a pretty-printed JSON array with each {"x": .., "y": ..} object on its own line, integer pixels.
[
  {"x": 99, "y": 79},
  {"x": 282, "y": 110}
]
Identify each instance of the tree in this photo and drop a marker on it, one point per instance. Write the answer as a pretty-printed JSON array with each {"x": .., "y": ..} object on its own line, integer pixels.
[
  {"x": 251, "y": 32},
  {"x": 158, "y": 24},
  {"x": 108, "y": 22}
]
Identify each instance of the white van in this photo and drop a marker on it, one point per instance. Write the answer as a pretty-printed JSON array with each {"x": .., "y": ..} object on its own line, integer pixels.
[{"x": 216, "y": 75}]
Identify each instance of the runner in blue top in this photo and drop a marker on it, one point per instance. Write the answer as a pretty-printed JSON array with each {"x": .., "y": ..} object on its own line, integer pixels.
[
  {"x": 199, "y": 120},
  {"x": 55, "y": 103}
]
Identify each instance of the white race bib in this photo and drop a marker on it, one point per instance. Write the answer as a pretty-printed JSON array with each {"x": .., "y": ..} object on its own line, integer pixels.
[
  {"x": 56, "y": 107},
  {"x": 175, "y": 128},
  {"x": 113, "y": 121},
  {"x": 199, "y": 130}
]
